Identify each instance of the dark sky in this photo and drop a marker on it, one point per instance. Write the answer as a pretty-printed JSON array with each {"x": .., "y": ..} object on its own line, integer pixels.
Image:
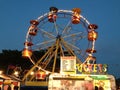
[{"x": 16, "y": 14}]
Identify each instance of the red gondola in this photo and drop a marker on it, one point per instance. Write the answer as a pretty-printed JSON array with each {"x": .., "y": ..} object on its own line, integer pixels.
[
  {"x": 91, "y": 58},
  {"x": 34, "y": 22},
  {"x": 53, "y": 9},
  {"x": 92, "y": 26},
  {"x": 26, "y": 53},
  {"x": 33, "y": 30},
  {"x": 91, "y": 51},
  {"x": 52, "y": 15},
  {"x": 92, "y": 35},
  {"x": 76, "y": 16},
  {"x": 40, "y": 75},
  {"x": 28, "y": 43}
]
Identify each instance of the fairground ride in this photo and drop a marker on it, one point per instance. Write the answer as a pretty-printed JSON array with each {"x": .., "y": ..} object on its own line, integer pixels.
[{"x": 59, "y": 33}]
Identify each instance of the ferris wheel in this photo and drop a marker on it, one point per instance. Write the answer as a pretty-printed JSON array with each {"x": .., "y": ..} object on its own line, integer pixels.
[{"x": 59, "y": 33}]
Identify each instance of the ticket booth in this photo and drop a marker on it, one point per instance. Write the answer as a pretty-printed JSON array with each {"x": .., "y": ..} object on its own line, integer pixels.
[{"x": 81, "y": 82}]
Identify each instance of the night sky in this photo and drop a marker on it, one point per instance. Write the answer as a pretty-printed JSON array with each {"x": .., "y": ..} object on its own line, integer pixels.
[{"x": 16, "y": 14}]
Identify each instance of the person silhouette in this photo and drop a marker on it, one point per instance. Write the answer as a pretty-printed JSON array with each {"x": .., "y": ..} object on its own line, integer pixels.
[
  {"x": 16, "y": 87},
  {"x": 9, "y": 87},
  {"x": 96, "y": 87},
  {"x": 100, "y": 88}
]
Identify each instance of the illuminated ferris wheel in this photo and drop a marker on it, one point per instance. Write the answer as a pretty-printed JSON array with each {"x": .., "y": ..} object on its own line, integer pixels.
[{"x": 59, "y": 33}]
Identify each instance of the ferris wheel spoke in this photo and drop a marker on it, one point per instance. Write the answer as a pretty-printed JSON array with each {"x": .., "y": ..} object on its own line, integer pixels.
[
  {"x": 80, "y": 34},
  {"x": 67, "y": 27},
  {"x": 75, "y": 48},
  {"x": 45, "y": 33},
  {"x": 44, "y": 44},
  {"x": 75, "y": 38},
  {"x": 78, "y": 50},
  {"x": 70, "y": 50},
  {"x": 74, "y": 44},
  {"x": 56, "y": 28}
]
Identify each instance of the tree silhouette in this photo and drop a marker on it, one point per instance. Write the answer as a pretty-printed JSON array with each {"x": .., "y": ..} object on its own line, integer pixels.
[{"x": 14, "y": 57}]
